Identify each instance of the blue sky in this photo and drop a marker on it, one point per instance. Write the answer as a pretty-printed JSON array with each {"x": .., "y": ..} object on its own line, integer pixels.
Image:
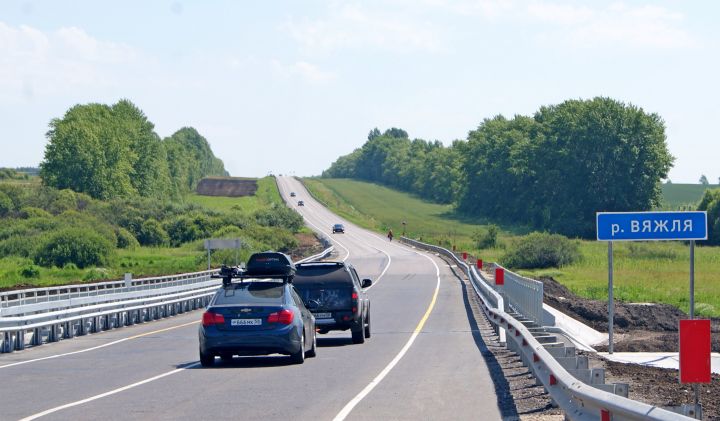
[{"x": 289, "y": 86}]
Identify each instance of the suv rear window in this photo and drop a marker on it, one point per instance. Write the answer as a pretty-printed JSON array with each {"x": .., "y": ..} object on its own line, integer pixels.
[
  {"x": 251, "y": 293},
  {"x": 329, "y": 274}
]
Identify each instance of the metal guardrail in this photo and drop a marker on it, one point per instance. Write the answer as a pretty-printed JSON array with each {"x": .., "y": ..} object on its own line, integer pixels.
[
  {"x": 40, "y": 315},
  {"x": 524, "y": 295},
  {"x": 549, "y": 362}
]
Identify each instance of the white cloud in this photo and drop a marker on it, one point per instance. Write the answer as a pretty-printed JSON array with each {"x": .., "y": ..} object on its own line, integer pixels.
[
  {"x": 304, "y": 70},
  {"x": 351, "y": 26},
  {"x": 34, "y": 62}
]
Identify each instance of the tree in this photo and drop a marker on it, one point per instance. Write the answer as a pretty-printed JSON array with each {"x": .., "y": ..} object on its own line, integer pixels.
[
  {"x": 373, "y": 134},
  {"x": 710, "y": 203},
  {"x": 703, "y": 180}
]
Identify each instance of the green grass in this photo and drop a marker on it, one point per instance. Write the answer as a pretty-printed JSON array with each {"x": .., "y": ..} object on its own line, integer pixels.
[
  {"x": 676, "y": 196},
  {"x": 644, "y": 272}
]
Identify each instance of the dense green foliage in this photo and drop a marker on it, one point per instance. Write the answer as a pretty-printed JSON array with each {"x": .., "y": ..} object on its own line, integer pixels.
[
  {"x": 112, "y": 151},
  {"x": 539, "y": 250},
  {"x": 69, "y": 234},
  {"x": 552, "y": 171},
  {"x": 711, "y": 204},
  {"x": 417, "y": 166},
  {"x": 11, "y": 174}
]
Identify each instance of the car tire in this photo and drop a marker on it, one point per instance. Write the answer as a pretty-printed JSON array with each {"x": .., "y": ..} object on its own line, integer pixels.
[
  {"x": 206, "y": 360},
  {"x": 367, "y": 324},
  {"x": 312, "y": 352},
  {"x": 358, "y": 336},
  {"x": 299, "y": 357}
]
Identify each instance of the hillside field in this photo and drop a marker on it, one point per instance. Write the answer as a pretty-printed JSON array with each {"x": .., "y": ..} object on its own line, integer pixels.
[{"x": 644, "y": 272}]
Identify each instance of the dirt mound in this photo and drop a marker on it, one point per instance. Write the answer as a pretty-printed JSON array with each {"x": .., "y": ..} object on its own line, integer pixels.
[
  {"x": 226, "y": 186},
  {"x": 638, "y": 326}
]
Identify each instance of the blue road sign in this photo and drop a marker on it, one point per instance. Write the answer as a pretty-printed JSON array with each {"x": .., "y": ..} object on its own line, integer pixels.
[{"x": 644, "y": 226}]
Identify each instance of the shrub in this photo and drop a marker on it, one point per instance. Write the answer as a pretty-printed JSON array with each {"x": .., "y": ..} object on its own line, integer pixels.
[
  {"x": 541, "y": 250},
  {"x": 711, "y": 203},
  {"x": 19, "y": 245},
  {"x": 96, "y": 274},
  {"x": 279, "y": 216},
  {"x": 30, "y": 271},
  {"x": 28, "y": 212},
  {"x": 228, "y": 231},
  {"x": 152, "y": 234},
  {"x": 182, "y": 229},
  {"x": 125, "y": 239},
  {"x": 6, "y": 204},
  {"x": 81, "y": 246},
  {"x": 486, "y": 239}
]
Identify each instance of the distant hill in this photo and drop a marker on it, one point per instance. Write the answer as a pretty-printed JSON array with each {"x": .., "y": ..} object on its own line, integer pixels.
[
  {"x": 677, "y": 195},
  {"x": 227, "y": 186}
]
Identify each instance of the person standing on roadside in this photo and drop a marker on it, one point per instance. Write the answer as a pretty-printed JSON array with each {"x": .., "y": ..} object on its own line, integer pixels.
[{"x": 390, "y": 234}]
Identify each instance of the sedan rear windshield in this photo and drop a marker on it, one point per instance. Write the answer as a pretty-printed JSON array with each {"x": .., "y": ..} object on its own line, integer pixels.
[{"x": 251, "y": 293}]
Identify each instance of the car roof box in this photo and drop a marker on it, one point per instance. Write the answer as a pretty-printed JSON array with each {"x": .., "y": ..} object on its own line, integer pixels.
[{"x": 270, "y": 263}]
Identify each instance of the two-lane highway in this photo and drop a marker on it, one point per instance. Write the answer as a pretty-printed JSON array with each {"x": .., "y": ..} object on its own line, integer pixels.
[{"x": 423, "y": 360}]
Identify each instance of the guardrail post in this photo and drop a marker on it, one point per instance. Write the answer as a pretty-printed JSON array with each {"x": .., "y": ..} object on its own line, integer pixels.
[
  {"x": 53, "y": 336},
  {"x": 20, "y": 340},
  {"x": 479, "y": 264}
]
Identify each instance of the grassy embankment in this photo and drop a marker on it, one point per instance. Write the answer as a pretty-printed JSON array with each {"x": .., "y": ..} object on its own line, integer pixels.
[
  {"x": 644, "y": 272},
  {"x": 140, "y": 261}
]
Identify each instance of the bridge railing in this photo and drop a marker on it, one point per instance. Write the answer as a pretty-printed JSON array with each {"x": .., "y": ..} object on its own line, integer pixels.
[
  {"x": 40, "y": 315},
  {"x": 551, "y": 363}
]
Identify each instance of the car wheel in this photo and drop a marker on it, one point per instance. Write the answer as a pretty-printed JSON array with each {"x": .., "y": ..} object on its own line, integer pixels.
[
  {"x": 367, "y": 324},
  {"x": 206, "y": 360},
  {"x": 299, "y": 357},
  {"x": 312, "y": 352},
  {"x": 358, "y": 336}
]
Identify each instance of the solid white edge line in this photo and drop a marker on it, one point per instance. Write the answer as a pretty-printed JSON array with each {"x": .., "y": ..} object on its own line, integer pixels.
[
  {"x": 111, "y": 392},
  {"x": 50, "y": 357},
  {"x": 345, "y": 411}
]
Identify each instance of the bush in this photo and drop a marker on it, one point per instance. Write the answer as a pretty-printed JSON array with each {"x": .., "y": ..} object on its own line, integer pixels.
[
  {"x": 711, "y": 203},
  {"x": 19, "y": 245},
  {"x": 486, "y": 239},
  {"x": 125, "y": 239},
  {"x": 81, "y": 246},
  {"x": 182, "y": 229},
  {"x": 30, "y": 271},
  {"x": 228, "y": 232},
  {"x": 96, "y": 274},
  {"x": 6, "y": 204},
  {"x": 541, "y": 250},
  {"x": 281, "y": 217},
  {"x": 152, "y": 234},
  {"x": 28, "y": 212}
]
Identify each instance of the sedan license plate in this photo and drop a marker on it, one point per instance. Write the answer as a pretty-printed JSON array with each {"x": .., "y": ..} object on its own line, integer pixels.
[
  {"x": 323, "y": 315},
  {"x": 245, "y": 322}
]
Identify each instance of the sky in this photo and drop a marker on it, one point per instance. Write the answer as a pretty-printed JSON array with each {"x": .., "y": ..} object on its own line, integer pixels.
[{"x": 289, "y": 86}]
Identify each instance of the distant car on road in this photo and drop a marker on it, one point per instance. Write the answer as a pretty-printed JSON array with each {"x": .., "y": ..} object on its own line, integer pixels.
[
  {"x": 301, "y": 203},
  {"x": 292, "y": 194},
  {"x": 335, "y": 295},
  {"x": 338, "y": 228},
  {"x": 257, "y": 316}
]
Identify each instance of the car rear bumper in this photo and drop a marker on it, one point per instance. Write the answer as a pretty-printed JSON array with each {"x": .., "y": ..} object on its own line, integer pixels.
[{"x": 280, "y": 341}]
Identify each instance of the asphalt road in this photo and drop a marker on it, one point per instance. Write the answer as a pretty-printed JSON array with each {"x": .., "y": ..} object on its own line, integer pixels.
[{"x": 423, "y": 360}]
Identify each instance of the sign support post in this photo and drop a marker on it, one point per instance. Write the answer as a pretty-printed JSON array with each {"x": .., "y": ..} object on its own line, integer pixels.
[{"x": 611, "y": 302}]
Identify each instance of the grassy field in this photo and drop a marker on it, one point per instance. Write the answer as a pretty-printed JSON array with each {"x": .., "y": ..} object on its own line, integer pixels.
[
  {"x": 644, "y": 272},
  {"x": 676, "y": 196}
]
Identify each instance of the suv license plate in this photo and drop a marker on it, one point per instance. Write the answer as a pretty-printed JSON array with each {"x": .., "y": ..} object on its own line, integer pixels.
[
  {"x": 323, "y": 315},
  {"x": 245, "y": 322}
]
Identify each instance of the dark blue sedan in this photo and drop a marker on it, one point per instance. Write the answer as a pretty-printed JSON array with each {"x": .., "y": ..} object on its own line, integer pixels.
[{"x": 257, "y": 317}]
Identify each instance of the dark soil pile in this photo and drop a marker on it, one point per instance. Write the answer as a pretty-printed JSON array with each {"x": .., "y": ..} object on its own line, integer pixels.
[
  {"x": 638, "y": 327},
  {"x": 230, "y": 187}
]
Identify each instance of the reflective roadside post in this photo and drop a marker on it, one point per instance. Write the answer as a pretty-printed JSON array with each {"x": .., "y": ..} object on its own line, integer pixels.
[{"x": 404, "y": 223}]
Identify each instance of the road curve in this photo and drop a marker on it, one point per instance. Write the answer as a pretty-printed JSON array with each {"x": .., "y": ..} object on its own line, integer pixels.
[{"x": 423, "y": 361}]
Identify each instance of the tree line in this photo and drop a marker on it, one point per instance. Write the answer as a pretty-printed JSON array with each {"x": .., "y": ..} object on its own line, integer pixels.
[
  {"x": 112, "y": 151},
  {"x": 551, "y": 171}
]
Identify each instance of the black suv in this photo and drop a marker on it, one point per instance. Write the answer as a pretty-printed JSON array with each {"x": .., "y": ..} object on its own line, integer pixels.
[
  {"x": 333, "y": 292},
  {"x": 338, "y": 228}
]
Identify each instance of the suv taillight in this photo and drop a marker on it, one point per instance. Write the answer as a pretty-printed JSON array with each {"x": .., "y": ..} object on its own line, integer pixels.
[
  {"x": 209, "y": 318},
  {"x": 283, "y": 316},
  {"x": 354, "y": 297}
]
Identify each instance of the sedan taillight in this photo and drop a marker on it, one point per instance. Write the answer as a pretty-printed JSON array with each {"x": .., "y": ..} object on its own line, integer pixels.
[
  {"x": 209, "y": 318},
  {"x": 283, "y": 317}
]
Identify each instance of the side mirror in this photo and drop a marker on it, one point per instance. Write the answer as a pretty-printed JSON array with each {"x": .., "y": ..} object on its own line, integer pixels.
[{"x": 366, "y": 283}]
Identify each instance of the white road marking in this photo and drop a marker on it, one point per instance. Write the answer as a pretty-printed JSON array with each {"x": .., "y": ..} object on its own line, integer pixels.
[
  {"x": 112, "y": 392},
  {"x": 360, "y": 396},
  {"x": 97, "y": 347}
]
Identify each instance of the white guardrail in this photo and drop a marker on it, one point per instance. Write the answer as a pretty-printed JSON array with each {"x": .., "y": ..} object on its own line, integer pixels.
[
  {"x": 31, "y": 317},
  {"x": 579, "y": 391}
]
